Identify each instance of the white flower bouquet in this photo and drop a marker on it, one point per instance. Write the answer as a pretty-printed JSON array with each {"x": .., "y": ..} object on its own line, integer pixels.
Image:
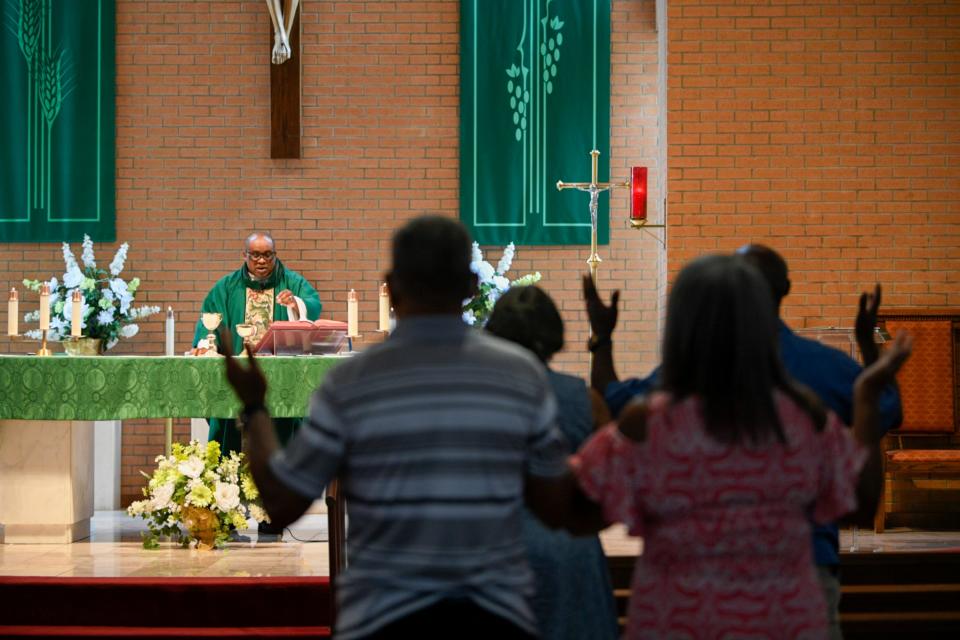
[
  {"x": 492, "y": 284},
  {"x": 195, "y": 478},
  {"x": 107, "y": 313}
]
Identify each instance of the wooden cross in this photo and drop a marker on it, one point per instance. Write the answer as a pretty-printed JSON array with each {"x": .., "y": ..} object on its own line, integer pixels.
[
  {"x": 594, "y": 188},
  {"x": 285, "y": 97}
]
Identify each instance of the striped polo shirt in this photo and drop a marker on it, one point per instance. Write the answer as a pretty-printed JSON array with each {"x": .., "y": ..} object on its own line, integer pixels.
[{"x": 431, "y": 433}]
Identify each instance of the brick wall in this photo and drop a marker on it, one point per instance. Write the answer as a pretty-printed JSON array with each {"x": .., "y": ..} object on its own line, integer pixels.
[
  {"x": 829, "y": 130},
  {"x": 380, "y": 145}
]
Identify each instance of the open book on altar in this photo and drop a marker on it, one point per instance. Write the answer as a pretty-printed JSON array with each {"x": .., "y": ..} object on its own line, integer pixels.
[{"x": 302, "y": 337}]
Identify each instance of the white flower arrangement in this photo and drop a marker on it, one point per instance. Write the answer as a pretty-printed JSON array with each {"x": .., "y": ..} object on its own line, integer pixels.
[
  {"x": 107, "y": 300},
  {"x": 492, "y": 284},
  {"x": 195, "y": 475}
]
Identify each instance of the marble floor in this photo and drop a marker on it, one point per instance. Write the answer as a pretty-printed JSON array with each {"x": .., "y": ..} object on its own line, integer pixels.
[{"x": 114, "y": 549}]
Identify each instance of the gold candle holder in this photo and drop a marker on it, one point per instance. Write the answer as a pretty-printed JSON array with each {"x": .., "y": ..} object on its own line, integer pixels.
[{"x": 43, "y": 350}]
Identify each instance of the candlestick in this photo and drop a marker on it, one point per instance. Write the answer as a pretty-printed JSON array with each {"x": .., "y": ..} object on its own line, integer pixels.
[
  {"x": 353, "y": 322},
  {"x": 75, "y": 314},
  {"x": 13, "y": 313},
  {"x": 43, "y": 350},
  {"x": 384, "y": 309},
  {"x": 168, "y": 342},
  {"x": 45, "y": 307}
]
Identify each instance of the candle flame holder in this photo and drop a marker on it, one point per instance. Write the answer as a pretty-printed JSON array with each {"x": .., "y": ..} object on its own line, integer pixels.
[{"x": 44, "y": 350}]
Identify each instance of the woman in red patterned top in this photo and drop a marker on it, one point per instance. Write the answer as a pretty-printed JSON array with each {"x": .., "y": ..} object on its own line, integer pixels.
[{"x": 719, "y": 470}]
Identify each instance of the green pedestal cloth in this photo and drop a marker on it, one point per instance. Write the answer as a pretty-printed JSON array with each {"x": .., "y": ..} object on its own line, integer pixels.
[{"x": 124, "y": 387}]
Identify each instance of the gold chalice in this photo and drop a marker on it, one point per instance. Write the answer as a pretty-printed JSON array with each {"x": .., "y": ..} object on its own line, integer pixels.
[
  {"x": 210, "y": 322},
  {"x": 245, "y": 331}
]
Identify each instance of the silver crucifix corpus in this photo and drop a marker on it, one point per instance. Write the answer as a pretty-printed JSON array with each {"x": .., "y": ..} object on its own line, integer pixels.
[
  {"x": 593, "y": 188},
  {"x": 281, "y": 15}
]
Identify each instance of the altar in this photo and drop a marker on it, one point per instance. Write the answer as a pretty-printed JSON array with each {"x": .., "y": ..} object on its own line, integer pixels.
[{"x": 49, "y": 407}]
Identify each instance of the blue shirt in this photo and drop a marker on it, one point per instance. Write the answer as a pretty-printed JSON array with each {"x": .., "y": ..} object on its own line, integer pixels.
[{"x": 828, "y": 372}]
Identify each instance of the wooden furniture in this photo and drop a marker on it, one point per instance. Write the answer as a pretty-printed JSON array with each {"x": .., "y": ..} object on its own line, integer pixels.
[
  {"x": 336, "y": 541},
  {"x": 922, "y": 448}
]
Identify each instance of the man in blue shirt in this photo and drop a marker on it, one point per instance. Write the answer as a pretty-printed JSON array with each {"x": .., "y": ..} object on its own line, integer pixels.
[{"x": 828, "y": 372}]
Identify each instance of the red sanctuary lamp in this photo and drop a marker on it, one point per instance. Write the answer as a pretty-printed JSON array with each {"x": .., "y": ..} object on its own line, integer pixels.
[{"x": 638, "y": 196}]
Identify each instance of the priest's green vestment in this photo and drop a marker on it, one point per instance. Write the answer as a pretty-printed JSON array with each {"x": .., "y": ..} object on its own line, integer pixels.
[{"x": 229, "y": 297}]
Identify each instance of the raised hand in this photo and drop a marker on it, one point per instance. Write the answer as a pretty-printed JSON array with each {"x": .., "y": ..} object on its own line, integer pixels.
[
  {"x": 603, "y": 318},
  {"x": 882, "y": 372},
  {"x": 248, "y": 382},
  {"x": 865, "y": 323}
]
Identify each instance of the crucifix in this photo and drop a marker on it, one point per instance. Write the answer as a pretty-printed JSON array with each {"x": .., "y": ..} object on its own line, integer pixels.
[
  {"x": 285, "y": 79},
  {"x": 594, "y": 188}
]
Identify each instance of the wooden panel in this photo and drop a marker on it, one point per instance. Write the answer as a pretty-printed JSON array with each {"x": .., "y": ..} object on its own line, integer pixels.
[
  {"x": 927, "y": 381},
  {"x": 285, "y": 99},
  {"x": 922, "y": 461}
]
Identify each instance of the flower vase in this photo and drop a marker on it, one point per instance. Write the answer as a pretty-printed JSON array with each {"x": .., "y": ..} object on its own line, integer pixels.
[
  {"x": 83, "y": 346},
  {"x": 201, "y": 524}
]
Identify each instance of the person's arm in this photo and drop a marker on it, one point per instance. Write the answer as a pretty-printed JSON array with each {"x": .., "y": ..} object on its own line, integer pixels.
[
  {"x": 311, "y": 299},
  {"x": 599, "y": 412},
  {"x": 891, "y": 413},
  {"x": 560, "y": 503},
  {"x": 603, "y": 321},
  {"x": 867, "y": 425},
  {"x": 282, "y": 504},
  {"x": 865, "y": 323}
]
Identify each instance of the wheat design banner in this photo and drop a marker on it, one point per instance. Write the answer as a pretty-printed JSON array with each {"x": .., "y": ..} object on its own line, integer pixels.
[
  {"x": 535, "y": 99},
  {"x": 57, "y": 120}
]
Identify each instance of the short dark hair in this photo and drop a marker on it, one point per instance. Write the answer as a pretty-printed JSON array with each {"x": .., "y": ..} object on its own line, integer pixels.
[
  {"x": 529, "y": 317},
  {"x": 720, "y": 344},
  {"x": 772, "y": 267},
  {"x": 431, "y": 260}
]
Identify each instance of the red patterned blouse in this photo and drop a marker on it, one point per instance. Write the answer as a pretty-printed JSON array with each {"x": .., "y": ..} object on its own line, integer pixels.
[{"x": 726, "y": 528}]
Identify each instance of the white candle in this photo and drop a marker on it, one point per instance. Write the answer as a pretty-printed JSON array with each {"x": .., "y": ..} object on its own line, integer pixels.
[
  {"x": 168, "y": 343},
  {"x": 45, "y": 307},
  {"x": 353, "y": 321},
  {"x": 384, "y": 308},
  {"x": 13, "y": 313},
  {"x": 75, "y": 314}
]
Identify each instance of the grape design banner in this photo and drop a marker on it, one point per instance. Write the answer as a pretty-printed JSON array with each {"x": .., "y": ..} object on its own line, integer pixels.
[
  {"x": 534, "y": 100},
  {"x": 57, "y": 133}
]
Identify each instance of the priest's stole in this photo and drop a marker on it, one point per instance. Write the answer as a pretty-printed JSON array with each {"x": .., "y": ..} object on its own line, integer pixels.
[
  {"x": 57, "y": 120},
  {"x": 534, "y": 101}
]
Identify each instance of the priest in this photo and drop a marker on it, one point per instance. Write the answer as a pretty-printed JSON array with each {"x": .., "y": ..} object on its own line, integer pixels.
[{"x": 259, "y": 292}]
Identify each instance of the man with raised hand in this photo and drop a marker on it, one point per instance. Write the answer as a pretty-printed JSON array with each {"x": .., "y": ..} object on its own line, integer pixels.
[{"x": 435, "y": 434}]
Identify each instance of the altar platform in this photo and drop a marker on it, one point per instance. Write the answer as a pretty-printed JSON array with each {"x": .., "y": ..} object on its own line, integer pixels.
[
  {"x": 114, "y": 550},
  {"x": 899, "y": 584}
]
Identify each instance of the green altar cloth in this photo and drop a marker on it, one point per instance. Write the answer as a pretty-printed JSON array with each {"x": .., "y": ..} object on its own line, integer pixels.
[{"x": 123, "y": 387}]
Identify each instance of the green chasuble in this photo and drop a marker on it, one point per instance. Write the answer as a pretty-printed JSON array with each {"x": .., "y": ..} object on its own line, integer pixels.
[{"x": 229, "y": 297}]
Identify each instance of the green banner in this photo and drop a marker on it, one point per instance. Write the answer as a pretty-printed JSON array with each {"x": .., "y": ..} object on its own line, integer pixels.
[
  {"x": 534, "y": 100},
  {"x": 57, "y": 121}
]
